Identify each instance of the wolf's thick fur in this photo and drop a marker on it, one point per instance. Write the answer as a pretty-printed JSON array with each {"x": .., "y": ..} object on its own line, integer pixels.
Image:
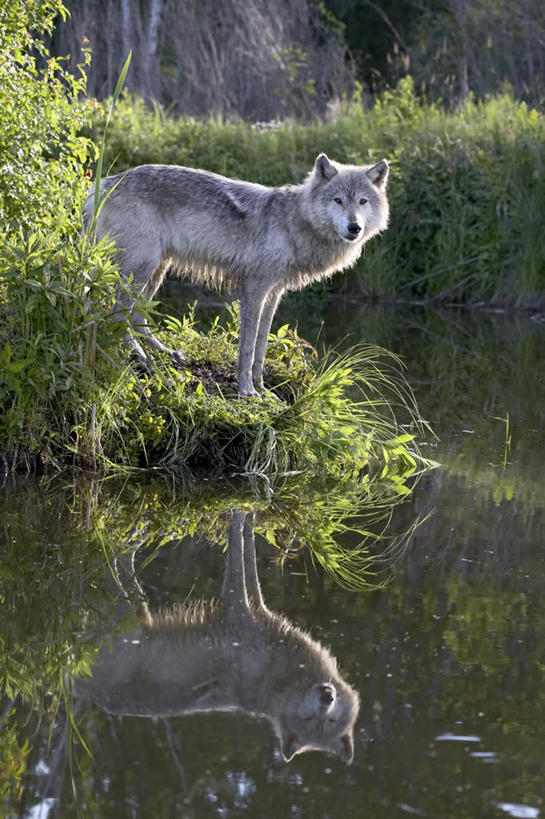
[
  {"x": 236, "y": 655},
  {"x": 252, "y": 240}
]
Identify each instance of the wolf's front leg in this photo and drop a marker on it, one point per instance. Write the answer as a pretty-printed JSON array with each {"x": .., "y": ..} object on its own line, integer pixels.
[
  {"x": 267, "y": 315},
  {"x": 251, "y": 579},
  {"x": 251, "y": 306},
  {"x": 233, "y": 591}
]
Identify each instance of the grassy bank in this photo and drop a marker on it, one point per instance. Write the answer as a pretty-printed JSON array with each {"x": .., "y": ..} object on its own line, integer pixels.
[
  {"x": 70, "y": 393},
  {"x": 467, "y": 188}
]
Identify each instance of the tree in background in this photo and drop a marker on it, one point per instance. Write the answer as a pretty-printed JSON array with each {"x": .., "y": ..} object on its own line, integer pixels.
[
  {"x": 262, "y": 60},
  {"x": 247, "y": 58}
]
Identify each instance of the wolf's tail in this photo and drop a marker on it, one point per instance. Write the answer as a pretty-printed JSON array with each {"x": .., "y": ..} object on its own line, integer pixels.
[
  {"x": 89, "y": 205},
  {"x": 88, "y": 209}
]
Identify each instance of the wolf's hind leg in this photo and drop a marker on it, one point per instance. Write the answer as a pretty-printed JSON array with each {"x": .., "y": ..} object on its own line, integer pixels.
[
  {"x": 141, "y": 325},
  {"x": 149, "y": 283},
  {"x": 145, "y": 361},
  {"x": 151, "y": 288}
]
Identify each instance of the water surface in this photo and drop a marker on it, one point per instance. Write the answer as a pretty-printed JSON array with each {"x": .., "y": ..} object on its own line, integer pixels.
[{"x": 448, "y": 658}]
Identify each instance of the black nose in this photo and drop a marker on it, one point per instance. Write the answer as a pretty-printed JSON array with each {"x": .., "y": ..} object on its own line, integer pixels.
[
  {"x": 327, "y": 694},
  {"x": 354, "y": 228}
]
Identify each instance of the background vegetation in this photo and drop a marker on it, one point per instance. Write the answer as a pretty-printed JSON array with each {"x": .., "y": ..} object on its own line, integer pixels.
[{"x": 434, "y": 85}]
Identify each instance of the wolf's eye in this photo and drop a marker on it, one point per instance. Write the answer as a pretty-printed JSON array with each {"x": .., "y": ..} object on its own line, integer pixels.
[
  {"x": 338, "y": 200},
  {"x": 363, "y": 201}
]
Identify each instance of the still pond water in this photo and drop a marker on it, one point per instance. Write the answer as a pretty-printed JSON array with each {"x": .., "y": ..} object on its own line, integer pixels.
[{"x": 448, "y": 658}]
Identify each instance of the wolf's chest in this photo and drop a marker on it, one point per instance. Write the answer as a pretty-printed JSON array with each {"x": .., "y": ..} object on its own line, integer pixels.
[{"x": 317, "y": 261}]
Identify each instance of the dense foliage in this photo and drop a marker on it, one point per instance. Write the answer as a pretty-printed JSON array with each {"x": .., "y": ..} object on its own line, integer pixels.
[
  {"x": 450, "y": 47},
  {"x": 56, "y": 290},
  {"x": 248, "y": 58},
  {"x": 42, "y": 151}
]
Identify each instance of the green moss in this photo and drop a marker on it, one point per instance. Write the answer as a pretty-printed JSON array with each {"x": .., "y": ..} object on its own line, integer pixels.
[{"x": 330, "y": 416}]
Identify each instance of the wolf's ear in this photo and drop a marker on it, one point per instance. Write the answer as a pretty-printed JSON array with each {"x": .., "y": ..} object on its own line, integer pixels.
[
  {"x": 323, "y": 169},
  {"x": 290, "y": 747},
  {"x": 378, "y": 174},
  {"x": 345, "y": 748}
]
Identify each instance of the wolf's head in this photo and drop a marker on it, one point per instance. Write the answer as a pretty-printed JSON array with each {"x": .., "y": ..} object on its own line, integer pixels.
[
  {"x": 319, "y": 719},
  {"x": 347, "y": 201}
]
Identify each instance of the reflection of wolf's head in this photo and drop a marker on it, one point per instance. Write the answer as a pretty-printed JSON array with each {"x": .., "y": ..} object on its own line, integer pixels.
[
  {"x": 347, "y": 201},
  {"x": 319, "y": 718}
]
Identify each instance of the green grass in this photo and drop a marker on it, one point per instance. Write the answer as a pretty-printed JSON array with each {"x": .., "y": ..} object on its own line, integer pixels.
[{"x": 70, "y": 394}]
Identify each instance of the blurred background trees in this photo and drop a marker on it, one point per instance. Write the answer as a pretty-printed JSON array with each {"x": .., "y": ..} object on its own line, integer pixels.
[
  {"x": 262, "y": 60},
  {"x": 250, "y": 58}
]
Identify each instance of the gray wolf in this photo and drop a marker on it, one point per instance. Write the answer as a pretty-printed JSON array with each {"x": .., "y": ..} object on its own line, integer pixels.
[
  {"x": 235, "y": 655},
  {"x": 254, "y": 241}
]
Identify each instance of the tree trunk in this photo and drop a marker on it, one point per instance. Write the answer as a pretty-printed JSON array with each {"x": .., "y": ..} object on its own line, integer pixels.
[
  {"x": 125, "y": 27},
  {"x": 150, "y": 63},
  {"x": 458, "y": 10}
]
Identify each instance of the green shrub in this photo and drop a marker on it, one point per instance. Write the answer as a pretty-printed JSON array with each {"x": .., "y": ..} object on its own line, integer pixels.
[{"x": 42, "y": 150}]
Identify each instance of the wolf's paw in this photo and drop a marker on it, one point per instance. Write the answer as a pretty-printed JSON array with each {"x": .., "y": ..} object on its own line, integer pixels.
[
  {"x": 177, "y": 356},
  {"x": 248, "y": 392},
  {"x": 142, "y": 364},
  {"x": 265, "y": 393},
  {"x": 262, "y": 389}
]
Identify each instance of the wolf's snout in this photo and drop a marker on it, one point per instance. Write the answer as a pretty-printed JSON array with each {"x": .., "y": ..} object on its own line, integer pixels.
[
  {"x": 354, "y": 228},
  {"x": 327, "y": 694}
]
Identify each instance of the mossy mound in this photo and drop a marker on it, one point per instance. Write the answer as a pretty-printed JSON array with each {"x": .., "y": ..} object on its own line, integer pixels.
[{"x": 336, "y": 416}]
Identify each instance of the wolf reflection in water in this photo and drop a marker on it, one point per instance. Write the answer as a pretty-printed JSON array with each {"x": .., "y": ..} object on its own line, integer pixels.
[{"x": 235, "y": 655}]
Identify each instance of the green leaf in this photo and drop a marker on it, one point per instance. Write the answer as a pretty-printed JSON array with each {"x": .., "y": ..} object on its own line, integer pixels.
[{"x": 5, "y": 355}]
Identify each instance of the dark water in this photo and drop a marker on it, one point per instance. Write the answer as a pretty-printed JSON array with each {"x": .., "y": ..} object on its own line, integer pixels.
[{"x": 448, "y": 658}]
